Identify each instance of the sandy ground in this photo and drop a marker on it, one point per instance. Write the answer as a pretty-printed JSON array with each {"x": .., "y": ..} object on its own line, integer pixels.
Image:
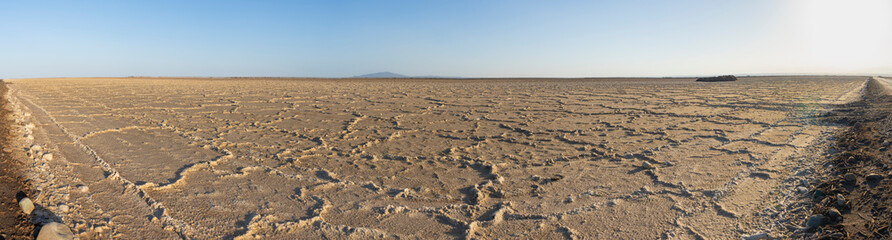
[{"x": 546, "y": 159}]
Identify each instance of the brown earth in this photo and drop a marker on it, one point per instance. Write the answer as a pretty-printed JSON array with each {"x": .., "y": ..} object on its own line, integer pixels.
[
  {"x": 14, "y": 224},
  {"x": 863, "y": 151}
]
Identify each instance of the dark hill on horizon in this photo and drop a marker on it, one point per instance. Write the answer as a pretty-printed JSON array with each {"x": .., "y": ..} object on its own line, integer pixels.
[{"x": 381, "y": 75}]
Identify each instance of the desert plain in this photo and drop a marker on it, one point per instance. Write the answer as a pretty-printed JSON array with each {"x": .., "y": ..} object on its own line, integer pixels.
[{"x": 169, "y": 158}]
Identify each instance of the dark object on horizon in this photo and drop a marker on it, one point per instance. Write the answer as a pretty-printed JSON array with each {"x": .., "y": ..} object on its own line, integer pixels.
[{"x": 725, "y": 78}]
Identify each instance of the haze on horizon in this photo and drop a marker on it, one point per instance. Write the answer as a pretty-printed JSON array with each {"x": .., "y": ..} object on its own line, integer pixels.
[{"x": 446, "y": 38}]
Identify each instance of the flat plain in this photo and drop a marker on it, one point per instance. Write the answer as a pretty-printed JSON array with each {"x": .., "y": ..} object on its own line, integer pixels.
[{"x": 423, "y": 158}]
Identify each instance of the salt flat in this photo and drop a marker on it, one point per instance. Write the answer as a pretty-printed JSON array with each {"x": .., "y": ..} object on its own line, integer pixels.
[{"x": 422, "y": 158}]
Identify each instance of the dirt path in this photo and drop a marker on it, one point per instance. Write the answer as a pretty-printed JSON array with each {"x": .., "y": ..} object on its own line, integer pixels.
[
  {"x": 13, "y": 223},
  {"x": 853, "y": 202}
]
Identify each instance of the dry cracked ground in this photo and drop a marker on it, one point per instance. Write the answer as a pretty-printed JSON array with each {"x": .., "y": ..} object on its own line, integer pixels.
[{"x": 499, "y": 158}]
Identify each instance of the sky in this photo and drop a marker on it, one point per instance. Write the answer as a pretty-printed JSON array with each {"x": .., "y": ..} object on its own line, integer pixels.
[{"x": 461, "y": 38}]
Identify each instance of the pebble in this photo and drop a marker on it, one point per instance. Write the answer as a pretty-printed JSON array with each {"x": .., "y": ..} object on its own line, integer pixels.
[
  {"x": 814, "y": 221},
  {"x": 36, "y": 147},
  {"x": 756, "y": 236},
  {"x": 47, "y": 156},
  {"x": 63, "y": 208},
  {"x": 833, "y": 213},
  {"x": 802, "y": 189},
  {"x": 83, "y": 188},
  {"x": 850, "y": 177},
  {"x": 55, "y": 231},
  {"x": 647, "y": 165},
  {"x": 27, "y": 205},
  {"x": 840, "y": 200},
  {"x": 818, "y": 194},
  {"x": 874, "y": 177}
]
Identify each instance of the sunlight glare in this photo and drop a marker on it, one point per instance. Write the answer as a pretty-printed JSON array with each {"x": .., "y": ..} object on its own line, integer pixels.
[{"x": 844, "y": 35}]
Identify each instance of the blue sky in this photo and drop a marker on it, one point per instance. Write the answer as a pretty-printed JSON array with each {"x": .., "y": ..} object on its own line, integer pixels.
[{"x": 449, "y": 38}]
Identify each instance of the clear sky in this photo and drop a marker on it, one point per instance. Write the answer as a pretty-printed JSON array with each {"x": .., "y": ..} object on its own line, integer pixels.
[{"x": 466, "y": 38}]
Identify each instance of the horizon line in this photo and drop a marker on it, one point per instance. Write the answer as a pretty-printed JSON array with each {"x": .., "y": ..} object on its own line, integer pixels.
[{"x": 503, "y": 77}]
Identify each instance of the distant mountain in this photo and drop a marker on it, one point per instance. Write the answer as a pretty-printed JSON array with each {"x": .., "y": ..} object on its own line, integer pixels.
[{"x": 382, "y": 75}]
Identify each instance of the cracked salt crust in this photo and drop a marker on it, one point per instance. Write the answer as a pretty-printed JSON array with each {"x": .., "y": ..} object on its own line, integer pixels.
[{"x": 205, "y": 158}]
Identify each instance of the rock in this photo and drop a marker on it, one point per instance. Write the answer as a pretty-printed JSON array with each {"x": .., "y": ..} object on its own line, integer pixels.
[
  {"x": 755, "y": 236},
  {"x": 36, "y": 147},
  {"x": 874, "y": 177},
  {"x": 805, "y": 183},
  {"x": 647, "y": 165},
  {"x": 818, "y": 194},
  {"x": 840, "y": 200},
  {"x": 814, "y": 221},
  {"x": 833, "y": 213},
  {"x": 850, "y": 177},
  {"x": 802, "y": 189},
  {"x": 63, "y": 208},
  {"x": 536, "y": 178},
  {"x": 47, "y": 156},
  {"x": 27, "y": 205},
  {"x": 83, "y": 188},
  {"x": 55, "y": 231}
]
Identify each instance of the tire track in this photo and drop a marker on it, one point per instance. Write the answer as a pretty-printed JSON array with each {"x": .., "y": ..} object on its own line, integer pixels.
[{"x": 160, "y": 213}]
